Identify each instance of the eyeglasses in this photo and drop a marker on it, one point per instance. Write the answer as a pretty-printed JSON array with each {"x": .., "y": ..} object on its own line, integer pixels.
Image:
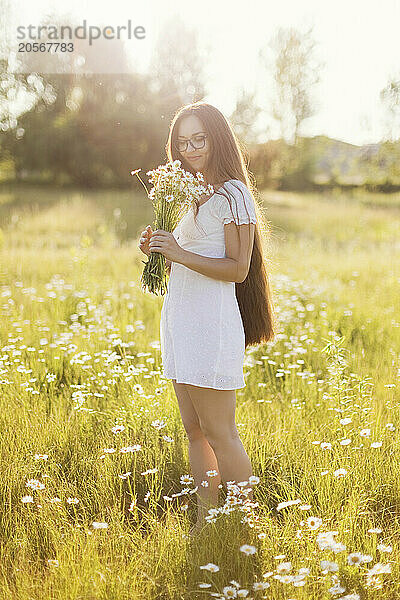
[{"x": 197, "y": 142}]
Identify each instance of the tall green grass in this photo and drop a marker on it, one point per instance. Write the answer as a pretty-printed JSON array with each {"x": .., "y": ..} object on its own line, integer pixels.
[{"x": 90, "y": 424}]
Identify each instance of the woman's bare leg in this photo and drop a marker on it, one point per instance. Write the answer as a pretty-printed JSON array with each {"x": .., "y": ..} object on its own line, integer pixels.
[
  {"x": 216, "y": 414},
  {"x": 201, "y": 455}
]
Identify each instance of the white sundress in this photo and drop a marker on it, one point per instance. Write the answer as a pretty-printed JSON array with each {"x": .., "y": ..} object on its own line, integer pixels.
[{"x": 201, "y": 330}]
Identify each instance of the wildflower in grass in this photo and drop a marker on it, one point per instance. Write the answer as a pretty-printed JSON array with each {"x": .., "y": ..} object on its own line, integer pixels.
[
  {"x": 159, "y": 423},
  {"x": 287, "y": 503},
  {"x": 232, "y": 500},
  {"x": 299, "y": 580},
  {"x": 253, "y": 480},
  {"x": 243, "y": 483},
  {"x": 118, "y": 428},
  {"x": 26, "y": 499},
  {"x": 372, "y": 579},
  {"x": 314, "y": 522},
  {"x": 72, "y": 500},
  {"x": 367, "y": 558},
  {"x": 41, "y": 456},
  {"x": 211, "y": 517},
  {"x": 262, "y": 536},
  {"x": 376, "y": 444},
  {"x": 345, "y": 442},
  {"x": 99, "y": 525},
  {"x": 186, "y": 479},
  {"x": 133, "y": 505},
  {"x": 53, "y": 562},
  {"x": 373, "y": 582},
  {"x": 379, "y": 569},
  {"x": 284, "y": 578},
  {"x": 326, "y": 446},
  {"x": 325, "y": 540},
  {"x": 336, "y": 589},
  {"x": 365, "y": 432},
  {"x": 134, "y": 448},
  {"x": 185, "y": 490},
  {"x": 229, "y": 592},
  {"x": 247, "y": 549},
  {"x": 340, "y": 472},
  {"x": 210, "y": 567},
  {"x": 355, "y": 558},
  {"x": 35, "y": 484},
  {"x": 329, "y": 566},
  {"x": 383, "y": 548},
  {"x": 259, "y": 586},
  {"x": 212, "y": 473},
  {"x": 284, "y": 567}
]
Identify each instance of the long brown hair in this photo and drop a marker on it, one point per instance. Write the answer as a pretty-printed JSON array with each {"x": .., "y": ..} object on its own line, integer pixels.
[{"x": 227, "y": 162}]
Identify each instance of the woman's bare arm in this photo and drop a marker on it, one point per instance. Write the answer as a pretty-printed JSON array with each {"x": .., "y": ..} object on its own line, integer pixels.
[{"x": 235, "y": 266}]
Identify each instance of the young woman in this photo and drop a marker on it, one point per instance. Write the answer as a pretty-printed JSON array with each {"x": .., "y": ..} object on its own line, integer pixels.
[{"x": 218, "y": 298}]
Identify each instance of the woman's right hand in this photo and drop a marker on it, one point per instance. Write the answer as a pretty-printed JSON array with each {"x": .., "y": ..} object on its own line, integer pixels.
[{"x": 145, "y": 239}]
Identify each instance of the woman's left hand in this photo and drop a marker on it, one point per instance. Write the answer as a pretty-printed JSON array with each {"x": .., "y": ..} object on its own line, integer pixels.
[{"x": 165, "y": 243}]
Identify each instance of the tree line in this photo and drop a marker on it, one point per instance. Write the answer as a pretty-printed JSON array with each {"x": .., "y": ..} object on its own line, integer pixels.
[{"x": 91, "y": 130}]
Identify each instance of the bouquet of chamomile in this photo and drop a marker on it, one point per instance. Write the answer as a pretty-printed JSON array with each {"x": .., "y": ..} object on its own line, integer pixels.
[{"x": 174, "y": 191}]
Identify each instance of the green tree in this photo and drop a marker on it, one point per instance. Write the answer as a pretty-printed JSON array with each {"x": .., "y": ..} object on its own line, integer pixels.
[
  {"x": 390, "y": 97},
  {"x": 177, "y": 66},
  {"x": 244, "y": 117},
  {"x": 295, "y": 71}
]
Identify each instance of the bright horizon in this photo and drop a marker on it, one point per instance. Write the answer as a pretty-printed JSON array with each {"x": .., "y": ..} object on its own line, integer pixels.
[{"x": 357, "y": 41}]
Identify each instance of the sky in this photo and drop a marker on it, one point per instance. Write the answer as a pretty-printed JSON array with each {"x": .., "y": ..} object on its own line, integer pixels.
[{"x": 357, "y": 42}]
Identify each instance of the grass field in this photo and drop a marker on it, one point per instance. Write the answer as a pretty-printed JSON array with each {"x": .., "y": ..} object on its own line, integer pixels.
[{"x": 95, "y": 484}]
